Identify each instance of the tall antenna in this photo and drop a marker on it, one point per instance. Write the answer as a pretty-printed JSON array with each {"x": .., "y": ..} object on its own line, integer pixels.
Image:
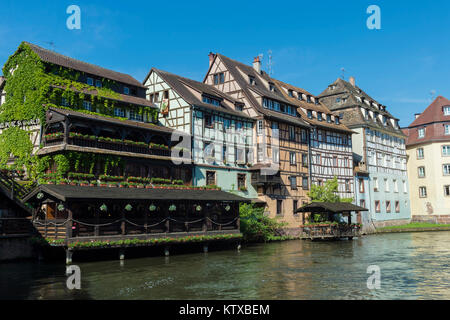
[
  {"x": 51, "y": 43},
  {"x": 269, "y": 63},
  {"x": 343, "y": 73}
]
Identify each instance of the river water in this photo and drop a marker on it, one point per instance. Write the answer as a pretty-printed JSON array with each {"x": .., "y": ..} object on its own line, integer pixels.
[{"x": 412, "y": 265}]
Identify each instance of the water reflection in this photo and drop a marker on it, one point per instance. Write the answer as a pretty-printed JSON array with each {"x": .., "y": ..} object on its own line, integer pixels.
[{"x": 413, "y": 266}]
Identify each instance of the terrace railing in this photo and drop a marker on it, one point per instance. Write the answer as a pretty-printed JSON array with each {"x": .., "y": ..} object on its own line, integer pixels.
[{"x": 331, "y": 231}]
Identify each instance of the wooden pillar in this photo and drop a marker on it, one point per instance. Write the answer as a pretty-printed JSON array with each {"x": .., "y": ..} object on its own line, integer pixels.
[
  {"x": 69, "y": 233},
  {"x": 122, "y": 224},
  {"x": 349, "y": 218}
]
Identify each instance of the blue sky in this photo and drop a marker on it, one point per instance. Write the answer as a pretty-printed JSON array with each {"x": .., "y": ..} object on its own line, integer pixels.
[{"x": 310, "y": 41}]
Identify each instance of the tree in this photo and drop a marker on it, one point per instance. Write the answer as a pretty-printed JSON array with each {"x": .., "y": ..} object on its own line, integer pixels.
[
  {"x": 327, "y": 193},
  {"x": 255, "y": 226}
]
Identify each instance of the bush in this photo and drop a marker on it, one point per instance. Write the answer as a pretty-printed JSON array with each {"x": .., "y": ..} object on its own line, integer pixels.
[{"x": 255, "y": 226}]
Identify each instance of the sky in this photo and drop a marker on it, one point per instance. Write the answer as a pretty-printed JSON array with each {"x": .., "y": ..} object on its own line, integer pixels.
[{"x": 402, "y": 65}]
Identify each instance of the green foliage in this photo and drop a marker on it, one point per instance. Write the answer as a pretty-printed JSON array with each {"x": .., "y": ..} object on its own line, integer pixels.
[
  {"x": 15, "y": 142},
  {"x": 255, "y": 226},
  {"x": 327, "y": 193}
]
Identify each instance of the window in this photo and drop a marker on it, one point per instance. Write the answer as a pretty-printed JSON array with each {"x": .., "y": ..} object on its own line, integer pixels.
[
  {"x": 395, "y": 185},
  {"x": 335, "y": 162},
  {"x": 90, "y": 81},
  {"x": 260, "y": 151},
  {"x": 421, "y": 132},
  {"x": 291, "y": 93},
  {"x": 397, "y": 206},
  {"x": 219, "y": 78},
  {"x": 447, "y": 129},
  {"x": 336, "y": 120},
  {"x": 292, "y": 159},
  {"x": 224, "y": 153},
  {"x": 319, "y": 116},
  {"x": 300, "y": 96},
  {"x": 279, "y": 206},
  {"x": 276, "y": 155},
  {"x": 293, "y": 181},
  {"x": 388, "y": 206},
  {"x": 251, "y": 80},
  {"x": 347, "y": 185},
  {"x": 421, "y": 172},
  {"x": 136, "y": 116},
  {"x": 305, "y": 183},
  {"x": 420, "y": 154},
  {"x": 386, "y": 185},
  {"x": 210, "y": 178},
  {"x": 362, "y": 203},
  {"x": 361, "y": 185},
  {"x": 447, "y": 191},
  {"x": 294, "y": 206},
  {"x": 126, "y": 90},
  {"x": 259, "y": 127},
  {"x": 208, "y": 121},
  {"x": 291, "y": 133},
  {"x": 447, "y": 111},
  {"x": 422, "y": 192},
  {"x": 375, "y": 184},
  {"x": 303, "y": 135},
  {"x": 329, "y": 118},
  {"x": 64, "y": 102},
  {"x": 377, "y": 206},
  {"x": 405, "y": 187},
  {"x": 87, "y": 105},
  {"x": 309, "y": 114},
  {"x": 212, "y": 101},
  {"x": 304, "y": 160},
  {"x": 308, "y": 99},
  {"x": 241, "y": 177},
  {"x": 446, "y": 150},
  {"x": 446, "y": 169},
  {"x": 119, "y": 112},
  {"x": 345, "y": 162},
  {"x": 338, "y": 100},
  {"x": 208, "y": 150},
  {"x": 98, "y": 83}
]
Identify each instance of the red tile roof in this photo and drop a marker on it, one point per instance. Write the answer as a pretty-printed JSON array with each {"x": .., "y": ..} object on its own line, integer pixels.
[{"x": 433, "y": 113}]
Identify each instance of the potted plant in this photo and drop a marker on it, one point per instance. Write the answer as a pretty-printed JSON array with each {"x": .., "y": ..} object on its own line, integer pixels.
[
  {"x": 148, "y": 186},
  {"x": 123, "y": 184},
  {"x": 132, "y": 184},
  {"x": 140, "y": 186},
  {"x": 84, "y": 183},
  {"x": 74, "y": 182},
  {"x": 112, "y": 184},
  {"x": 93, "y": 183},
  {"x": 103, "y": 184}
]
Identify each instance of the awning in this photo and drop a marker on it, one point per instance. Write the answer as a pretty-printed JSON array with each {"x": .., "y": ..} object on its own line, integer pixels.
[
  {"x": 73, "y": 193},
  {"x": 333, "y": 207}
]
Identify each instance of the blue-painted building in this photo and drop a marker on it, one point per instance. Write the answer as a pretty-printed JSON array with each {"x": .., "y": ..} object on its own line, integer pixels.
[{"x": 379, "y": 154}]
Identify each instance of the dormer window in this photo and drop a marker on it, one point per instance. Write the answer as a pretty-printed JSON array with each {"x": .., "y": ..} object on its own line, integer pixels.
[
  {"x": 98, "y": 83},
  {"x": 90, "y": 81},
  {"x": 421, "y": 133},
  {"x": 271, "y": 87},
  {"x": 291, "y": 93},
  {"x": 316, "y": 101},
  {"x": 384, "y": 120},
  {"x": 126, "y": 90},
  {"x": 300, "y": 96},
  {"x": 447, "y": 111},
  {"x": 319, "y": 116},
  {"x": 309, "y": 113},
  {"x": 251, "y": 80},
  {"x": 344, "y": 100},
  {"x": 336, "y": 120},
  {"x": 375, "y": 117},
  {"x": 308, "y": 99},
  {"x": 332, "y": 87},
  {"x": 329, "y": 118},
  {"x": 366, "y": 114},
  {"x": 338, "y": 100},
  {"x": 212, "y": 101}
]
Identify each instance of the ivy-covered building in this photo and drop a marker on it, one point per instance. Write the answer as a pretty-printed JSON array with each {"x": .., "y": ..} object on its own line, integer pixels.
[{"x": 79, "y": 126}]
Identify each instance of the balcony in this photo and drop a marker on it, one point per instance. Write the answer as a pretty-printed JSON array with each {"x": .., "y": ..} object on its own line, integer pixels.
[
  {"x": 259, "y": 179},
  {"x": 330, "y": 231}
]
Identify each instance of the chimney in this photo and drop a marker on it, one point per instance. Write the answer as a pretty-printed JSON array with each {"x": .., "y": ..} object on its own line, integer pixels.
[
  {"x": 416, "y": 115},
  {"x": 352, "y": 81},
  {"x": 257, "y": 64},
  {"x": 211, "y": 58}
]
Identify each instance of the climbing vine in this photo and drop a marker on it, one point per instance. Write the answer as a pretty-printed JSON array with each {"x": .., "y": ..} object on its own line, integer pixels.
[{"x": 15, "y": 142}]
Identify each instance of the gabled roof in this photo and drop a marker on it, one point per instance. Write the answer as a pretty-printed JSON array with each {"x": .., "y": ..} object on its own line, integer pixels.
[
  {"x": 236, "y": 67},
  {"x": 311, "y": 106},
  {"x": 334, "y": 207},
  {"x": 350, "y": 110},
  {"x": 65, "y": 61},
  {"x": 181, "y": 85},
  {"x": 433, "y": 113}
]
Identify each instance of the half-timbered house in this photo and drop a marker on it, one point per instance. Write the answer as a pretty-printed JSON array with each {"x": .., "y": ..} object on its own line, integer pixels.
[
  {"x": 280, "y": 173},
  {"x": 379, "y": 152},
  {"x": 330, "y": 142},
  {"x": 220, "y": 134}
]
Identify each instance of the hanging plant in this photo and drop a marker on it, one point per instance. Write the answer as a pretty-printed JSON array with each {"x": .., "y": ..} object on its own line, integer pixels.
[
  {"x": 198, "y": 208},
  {"x": 128, "y": 207},
  {"x": 227, "y": 208},
  {"x": 40, "y": 195},
  {"x": 103, "y": 207},
  {"x": 61, "y": 207},
  {"x": 152, "y": 207},
  {"x": 172, "y": 207}
]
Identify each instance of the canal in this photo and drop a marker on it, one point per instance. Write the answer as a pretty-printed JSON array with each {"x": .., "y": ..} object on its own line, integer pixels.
[{"x": 413, "y": 266}]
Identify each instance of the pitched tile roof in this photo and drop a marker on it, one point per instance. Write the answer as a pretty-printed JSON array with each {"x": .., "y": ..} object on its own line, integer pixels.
[
  {"x": 236, "y": 67},
  {"x": 350, "y": 109},
  {"x": 433, "y": 113},
  {"x": 61, "y": 60},
  {"x": 181, "y": 85}
]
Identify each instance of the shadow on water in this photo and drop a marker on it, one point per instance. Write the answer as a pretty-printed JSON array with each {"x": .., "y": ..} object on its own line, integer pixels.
[{"x": 413, "y": 266}]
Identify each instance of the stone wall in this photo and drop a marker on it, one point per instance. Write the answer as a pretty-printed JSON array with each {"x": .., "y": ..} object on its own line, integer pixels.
[
  {"x": 437, "y": 219},
  {"x": 388, "y": 223},
  {"x": 12, "y": 248}
]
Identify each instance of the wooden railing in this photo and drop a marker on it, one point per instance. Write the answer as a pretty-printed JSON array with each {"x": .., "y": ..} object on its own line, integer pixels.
[
  {"x": 115, "y": 146},
  {"x": 14, "y": 190},
  {"x": 331, "y": 231},
  {"x": 65, "y": 229}
]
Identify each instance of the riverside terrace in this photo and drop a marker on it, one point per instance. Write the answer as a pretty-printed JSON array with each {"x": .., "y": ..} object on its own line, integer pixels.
[{"x": 76, "y": 217}]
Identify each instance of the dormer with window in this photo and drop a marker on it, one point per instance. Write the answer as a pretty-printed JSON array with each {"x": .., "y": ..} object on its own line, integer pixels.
[
  {"x": 375, "y": 116},
  {"x": 271, "y": 87},
  {"x": 291, "y": 93},
  {"x": 446, "y": 110},
  {"x": 308, "y": 99},
  {"x": 316, "y": 101},
  {"x": 300, "y": 96},
  {"x": 319, "y": 116},
  {"x": 336, "y": 119},
  {"x": 211, "y": 100},
  {"x": 90, "y": 81},
  {"x": 126, "y": 90},
  {"x": 309, "y": 114},
  {"x": 251, "y": 80},
  {"x": 329, "y": 118}
]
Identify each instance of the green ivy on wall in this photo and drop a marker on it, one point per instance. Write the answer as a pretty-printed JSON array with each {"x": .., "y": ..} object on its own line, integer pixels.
[{"x": 15, "y": 142}]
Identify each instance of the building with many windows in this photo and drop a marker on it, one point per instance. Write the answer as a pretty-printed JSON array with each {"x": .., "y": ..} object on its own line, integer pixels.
[
  {"x": 379, "y": 153},
  {"x": 428, "y": 150}
]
